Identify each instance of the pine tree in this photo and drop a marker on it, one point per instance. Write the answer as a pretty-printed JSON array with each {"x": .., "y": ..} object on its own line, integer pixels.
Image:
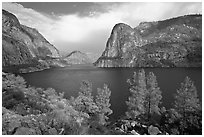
[
  {"x": 145, "y": 95},
  {"x": 86, "y": 89},
  {"x": 153, "y": 96},
  {"x": 84, "y": 102},
  {"x": 187, "y": 104},
  {"x": 186, "y": 98},
  {"x": 103, "y": 103},
  {"x": 138, "y": 90}
]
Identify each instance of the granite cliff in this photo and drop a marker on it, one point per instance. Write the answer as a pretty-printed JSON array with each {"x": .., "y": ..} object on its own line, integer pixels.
[
  {"x": 24, "y": 48},
  {"x": 175, "y": 42}
]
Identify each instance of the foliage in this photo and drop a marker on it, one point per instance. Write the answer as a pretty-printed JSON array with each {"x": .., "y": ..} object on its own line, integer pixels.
[
  {"x": 85, "y": 101},
  {"x": 153, "y": 95},
  {"x": 10, "y": 81},
  {"x": 86, "y": 89},
  {"x": 188, "y": 106},
  {"x": 49, "y": 112},
  {"x": 169, "y": 121},
  {"x": 29, "y": 110},
  {"x": 138, "y": 90},
  {"x": 145, "y": 95},
  {"x": 103, "y": 103},
  {"x": 12, "y": 98},
  {"x": 186, "y": 98}
]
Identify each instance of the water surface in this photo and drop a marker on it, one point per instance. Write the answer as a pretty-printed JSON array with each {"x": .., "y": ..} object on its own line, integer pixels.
[{"x": 68, "y": 80}]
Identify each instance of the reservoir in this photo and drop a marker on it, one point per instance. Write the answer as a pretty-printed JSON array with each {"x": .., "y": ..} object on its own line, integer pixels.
[{"x": 68, "y": 80}]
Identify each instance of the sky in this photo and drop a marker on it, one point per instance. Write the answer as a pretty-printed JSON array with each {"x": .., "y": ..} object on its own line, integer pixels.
[{"x": 86, "y": 26}]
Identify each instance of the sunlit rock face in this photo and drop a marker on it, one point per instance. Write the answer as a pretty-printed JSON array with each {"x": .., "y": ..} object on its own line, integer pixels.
[
  {"x": 22, "y": 45},
  {"x": 175, "y": 42},
  {"x": 77, "y": 57}
]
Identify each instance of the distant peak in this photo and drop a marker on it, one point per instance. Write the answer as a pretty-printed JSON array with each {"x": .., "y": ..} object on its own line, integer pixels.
[{"x": 75, "y": 52}]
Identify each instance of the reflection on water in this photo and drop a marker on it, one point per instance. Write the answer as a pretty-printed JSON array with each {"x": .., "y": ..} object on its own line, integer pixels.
[{"x": 68, "y": 80}]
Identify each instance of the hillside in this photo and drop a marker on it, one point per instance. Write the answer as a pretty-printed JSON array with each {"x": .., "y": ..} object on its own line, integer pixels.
[
  {"x": 77, "y": 57},
  {"x": 175, "y": 42},
  {"x": 24, "y": 48}
]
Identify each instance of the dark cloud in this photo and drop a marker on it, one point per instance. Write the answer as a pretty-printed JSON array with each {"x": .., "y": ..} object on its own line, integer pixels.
[{"x": 87, "y": 26}]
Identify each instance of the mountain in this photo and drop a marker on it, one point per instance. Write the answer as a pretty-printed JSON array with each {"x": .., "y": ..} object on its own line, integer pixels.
[
  {"x": 175, "y": 42},
  {"x": 93, "y": 56},
  {"x": 24, "y": 47},
  {"x": 77, "y": 57}
]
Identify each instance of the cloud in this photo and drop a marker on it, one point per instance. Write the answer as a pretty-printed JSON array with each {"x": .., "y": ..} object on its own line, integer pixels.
[
  {"x": 134, "y": 13},
  {"x": 90, "y": 33},
  {"x": 31, "y": 18}
]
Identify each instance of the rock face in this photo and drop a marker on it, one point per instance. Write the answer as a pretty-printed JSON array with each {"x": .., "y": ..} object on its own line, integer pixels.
[
  {"x": 175, "y": 42},
  {"x": 24, "y": 46},
  {"x": 77, "y": 57}
]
